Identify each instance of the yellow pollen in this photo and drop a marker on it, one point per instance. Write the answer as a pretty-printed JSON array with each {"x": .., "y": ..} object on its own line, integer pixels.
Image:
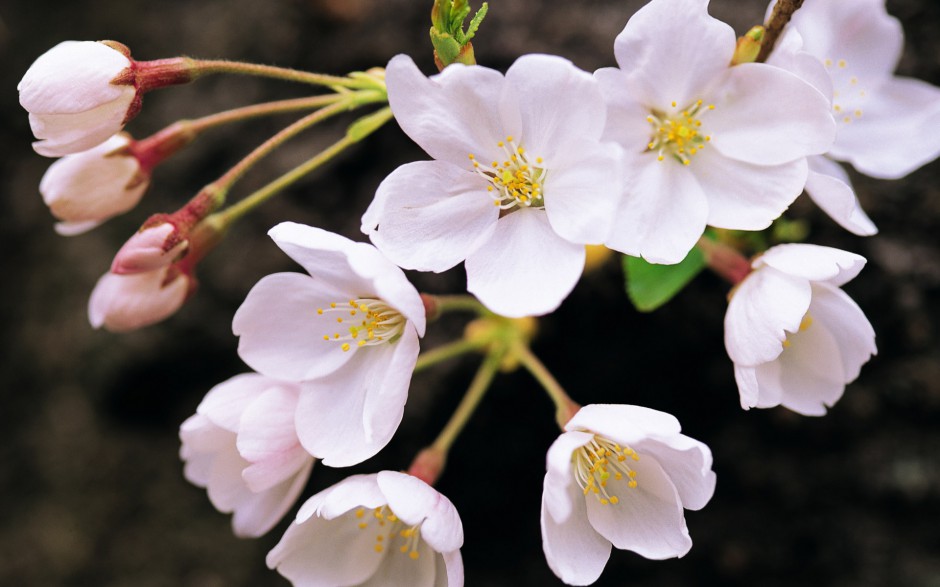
[
  {"x": 374, "y": 321},
  {"x": 413, "y": 555},
  {"x": 595, "y": 469},
  {"x": 678, "y": 135},
  {"x": 320, "y": 311},
  {"x": 378, "y": 548},
  {"x": 515, "y": 182},
  {"x": 345, "y": 346}
]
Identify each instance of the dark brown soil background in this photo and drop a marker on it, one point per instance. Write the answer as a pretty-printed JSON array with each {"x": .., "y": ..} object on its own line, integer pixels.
[{"x": 92, "y": 489}]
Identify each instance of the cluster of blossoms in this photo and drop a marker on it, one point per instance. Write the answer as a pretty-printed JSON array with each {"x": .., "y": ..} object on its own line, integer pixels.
[{"x": 527, "y": 169}]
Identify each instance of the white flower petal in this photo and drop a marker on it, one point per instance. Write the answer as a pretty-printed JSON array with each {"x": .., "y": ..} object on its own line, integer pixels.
[
  {"x": 743, "y": 127},
  {"x": 450, "y": 115},
  {"x": 663, "y": 212},
  {"x": 688, "y": 463},
  {"x": 845, "y": 321},
  {"x": 663, "y": 61},
  {"x": 73, "y": 76},
  {"x": 813, "y": 262},
  {"x": 896, "y": 132},
  {"x": 65, "y": 134},
  {"x": 429, "y": 215},
  {"x": 575, "y": 552},
  {"x": 556, "y": 498},
  {"x": 830, "y": 188},
  {"x": 525, "y": 269},
  {"x": 788, "y": 54},
  {"x": 748, "y": 387},
  {"x": 267, "y": 439},
  {"x": 744, "y": 196},
  {"x": 352, "y": 492},
  {"x": 765, "y": 306},
  {"x": 399, "y": 569},
  {"x": 625, "y": 423},
  {"x": 648, "y": 518},
  {"x": 414, "y": 502},
  {"x": 260, "y": 512},
  {"x": 226, "y": 402},
  {"x": 452, "y": 573},
  {"x": 281, "y": 334}
]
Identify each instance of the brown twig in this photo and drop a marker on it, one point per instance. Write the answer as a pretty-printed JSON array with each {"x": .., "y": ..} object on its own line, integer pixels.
[{"x": 781, "y": 15}]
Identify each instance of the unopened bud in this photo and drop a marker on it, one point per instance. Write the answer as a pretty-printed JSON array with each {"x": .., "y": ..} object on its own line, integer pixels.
[
  {"x": 748, "y": 47},
  {"x": 121, "y": 303},
  {"x": 150, "y": 248}
]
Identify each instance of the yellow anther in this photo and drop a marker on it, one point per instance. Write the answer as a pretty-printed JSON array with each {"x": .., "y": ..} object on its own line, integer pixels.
[
  {"x": 509, "y": 139},
  {"x": 326, "y": 337},
  {"x": 614, "y": 499},
  {"x": 361, "y": 343},
  {"x": 858, "y": 113},
  {"x": 345, "y": 346},
  {"x": 363, "y": 525},
  {"x": 413, "y": 555},
  {"x": 673, "y": 104},
  {"x": 471, "y": 156},
  {"x": 828, "y": 62},
  {"x": 786, "y": 344},
  {"x": 320, "y": 311},
  {"x": 404, "y": 548},
  {"x": 360, "y": 512},
  {"x": 339, "y": 320},
  {"x": 632, "y": 484},
  {"x": 501, "y": 144},
  {"x": 333, "y": 305},
  {"x": 378, "y": 548},
  {"x": 604, "y": 501},
  {"x": 335, "y": 335},
  {"x": 842, "y": 63}
]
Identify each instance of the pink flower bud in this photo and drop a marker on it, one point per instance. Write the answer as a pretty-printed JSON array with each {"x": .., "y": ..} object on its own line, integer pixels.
[
  {"x": 151, "y": 248},
  {"x": 87, "y": 188},
  {"x": 122, "y": 303},
  {"x": 71, "y": 101}
]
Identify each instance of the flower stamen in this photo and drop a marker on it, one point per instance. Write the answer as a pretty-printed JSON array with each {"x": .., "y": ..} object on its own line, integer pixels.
[
  {"x": 368, "y": 322},
  {"x": 516, "y": 181},
  {"x": 678, "y": 135},
  {"x": 390, "y": 529},
  {"x": 601, "y": 461}
]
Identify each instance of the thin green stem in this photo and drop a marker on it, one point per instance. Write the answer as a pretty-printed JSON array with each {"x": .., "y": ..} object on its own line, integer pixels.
[
  {"x": 476, "y": 391},
  {"x": 198, "y": 125},
  {"x": 231, "y": 214},
  {"x": 207, "y": 66},
  {"x": 459, "y": 303},
  {"x": 564, "y": 405},
  {"x": 448, "y": 351}
]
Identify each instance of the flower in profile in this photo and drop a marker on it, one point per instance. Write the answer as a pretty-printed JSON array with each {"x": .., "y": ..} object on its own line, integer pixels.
[
  {"x": 520, "y": 181},
  {"x": 241, "y": 446},
  {"x": 349, "y": 330},
  {"x": 704, "y": 143},
  {"x": 71, "y": 97},
  {"x": 121, "y": 303},
  {"x": 620, "y": 476},
  {"x": 382, "y": 529},
  {"x": 886, "y": 123},
  {"x": 795, "y": 338},
  {"x": 85, "y": 189}
]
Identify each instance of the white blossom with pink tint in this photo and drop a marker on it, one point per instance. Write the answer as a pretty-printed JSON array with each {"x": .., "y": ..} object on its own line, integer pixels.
[
  {"x": 84, "y": 189},
  {"x": 72, "y": 103},
  {"x": 796, "y": 339},
  {"x": 242, "y": 447},
  {"x": 149, "y": 249},
  {"x": 349, "y": 331},
  {"x": 620, "y": 476},
  {"x": 121, "y": 303},
  {"x": 388, "y": 529}
]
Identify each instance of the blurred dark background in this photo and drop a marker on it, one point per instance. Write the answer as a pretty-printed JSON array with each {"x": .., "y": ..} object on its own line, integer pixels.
[{"x": 91, "y": 484}]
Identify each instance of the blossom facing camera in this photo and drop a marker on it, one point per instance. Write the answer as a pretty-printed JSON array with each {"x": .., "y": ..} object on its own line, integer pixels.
[
  {"x": 620, "y": 476},
  {"x": 349, "y": 331},
  {"x": 387, "y": 528},
  {"x": 85, "y": 189},
  {"x": 520, "y": 181},
  {"x": 121, "y": 303},
  {"x": 704, "y": 143},
  {"x": 241, "y": 446},
  {"x": 795, "y": 338},
  {"x": 72, "y": 98},
  {"x": 149, "y": 249}
]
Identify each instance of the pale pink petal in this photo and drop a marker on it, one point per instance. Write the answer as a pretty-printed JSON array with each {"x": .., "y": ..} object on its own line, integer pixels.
[
  {"x": 122, "y": 303},
  {"x": 559, "y": 105},
  {"x": 350, "y": 493},
  {"x": 430, "y": 215},
  {"x": 647, "y": 519},
  {"x": 895, "y": 131},
  {"x": 226, "y": 402},
  {"x": 830, "y": 188},
  {"x": 687, "y": 462},
  {"x": 267, "y": 439},
  {"x": 667, "y": 63},
  {"x": 663, "y": 212},
  {"x": 744, "y": 196},
  {"x": 398, "y": 568},
  {"x": 555, "y": 495},
  {"x": 525, "y": 269},
  {"x": 452, "y": 574},
  {"x": 414, "y": 502},
  {"x": 281, "y": 334},
  {"x": 763, "y": 309},
  {"x": 260, "y": 512},
  {"x": 575, "y": 552},
  {"x": 840, "y": 315},
  {"x": 742, "y": 125},
  {"x": 627, "y": 122},
  {"x": 65, "y": 134},
  {"x": 813, "y": 262},
  {"x": 450, "y": 115},
  {"x": 74, "y": 228},
  {"x": 788, "y": 54},
  {"x": 625, "y": 423}
]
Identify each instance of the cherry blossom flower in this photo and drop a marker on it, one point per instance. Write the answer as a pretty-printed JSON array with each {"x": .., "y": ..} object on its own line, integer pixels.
[
  {"x": 382, "y": 529},
  {"x": 242, "y": 447},
  {"x": 85, "y": 189},
  {"x": 121, "y": 303},
  {"x": 886, "y": 123},
  {"x": 795, "y": 338},
  {"x": 620, "y": 475},
  {"x": 72, "y": 101},
  {"x": 349, "y": 330},
  {"x": 520, "y": 181},
  {"x": 150, "y": 248},
  {"x": 704, "y": 142}
]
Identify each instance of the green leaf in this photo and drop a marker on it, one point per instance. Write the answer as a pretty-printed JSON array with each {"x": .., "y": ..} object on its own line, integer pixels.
[{"x": 650, "y": 286}]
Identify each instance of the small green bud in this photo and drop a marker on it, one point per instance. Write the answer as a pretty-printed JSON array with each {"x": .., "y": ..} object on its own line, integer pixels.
[
  {"x": 451, "y": 43},
  {"x": 748, "y": 46}
]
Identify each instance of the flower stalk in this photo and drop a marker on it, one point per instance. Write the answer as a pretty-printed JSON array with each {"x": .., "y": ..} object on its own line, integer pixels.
[{"x": 779, "y": 18}]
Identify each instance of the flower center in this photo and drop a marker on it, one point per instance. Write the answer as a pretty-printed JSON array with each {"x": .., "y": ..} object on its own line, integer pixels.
[
  {"x": 390, "y": 530},
  {"x": 678, "y": 134},
  {"x": 518, "y": 181},
  {"x": 805, "y": 323},
  {"x": 847, "y": 95},
  {"x": 601, "y": 461},
  {"x": 363, "y": 322}
]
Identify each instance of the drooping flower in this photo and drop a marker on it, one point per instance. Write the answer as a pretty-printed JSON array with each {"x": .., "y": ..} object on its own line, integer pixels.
[
  {"x": 520, "y": 181},
  {"x": 704, "y": 143},
  {"x": 242, "y": 447},
  {"x": 886, "y": 124},
  {"x": 795, "y": 338},
  {"x": 349, "y": 330},
  {"x": 85, "y": 189},
  {"x": 121, "y": 303},
  {"x": 382, "y": 529},
  {"x": 620, "y": 475}
]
